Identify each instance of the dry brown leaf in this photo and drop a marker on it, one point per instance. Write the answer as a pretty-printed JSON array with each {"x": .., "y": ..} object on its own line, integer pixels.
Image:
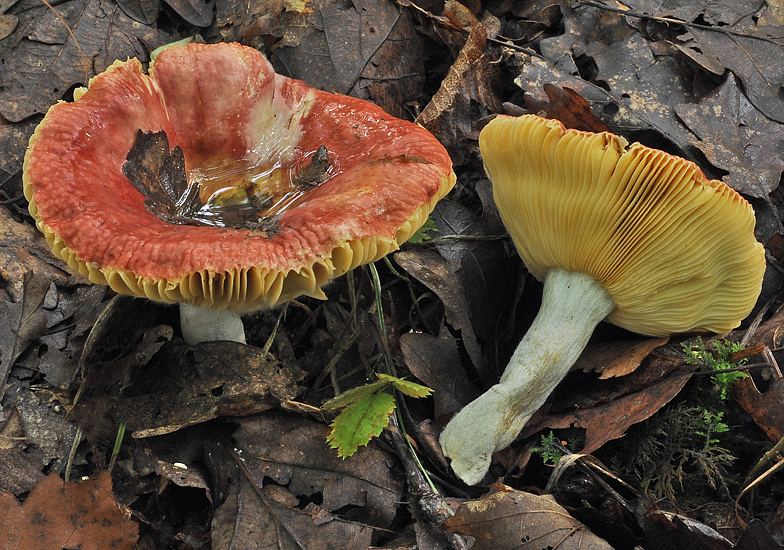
[
  {"x": 59, "y": 515},
  {"x": 436, "y": 362},
  {"x": 607, "y": 422},
  {"x": 569, "y": 107},
  {"x": 617, "y": 358},
  {"x": 517, "y": 520},
  {"x": 470, "y": 78},
  {"x": 767, "y": 409},
  {"x": 269, "y": 518},
  {"x": 292, "y": 452},
  {"x": 737, "y": 138}
]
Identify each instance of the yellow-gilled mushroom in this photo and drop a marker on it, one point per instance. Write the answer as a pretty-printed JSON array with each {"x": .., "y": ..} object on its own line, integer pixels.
[{"x": 619, "y": 232}]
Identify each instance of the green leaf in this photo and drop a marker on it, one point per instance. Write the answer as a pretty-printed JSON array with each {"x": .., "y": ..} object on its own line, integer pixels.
[
  {"x": 364, "y": 419},
  {"x": 420, "y": 235},
  {"x": 411, "y": 389},
  {"x": 354, "y": 394}
]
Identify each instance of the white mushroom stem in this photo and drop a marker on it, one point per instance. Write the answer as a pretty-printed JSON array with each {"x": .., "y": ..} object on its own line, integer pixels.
[
  {"x": 572, "y": 305},
  {"x": 209, "y": 325}
]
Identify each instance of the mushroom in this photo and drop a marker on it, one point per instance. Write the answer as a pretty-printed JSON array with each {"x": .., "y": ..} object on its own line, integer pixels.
[
  {"x": 619, "y": 232},
  {"x": 282, "y": 187}
]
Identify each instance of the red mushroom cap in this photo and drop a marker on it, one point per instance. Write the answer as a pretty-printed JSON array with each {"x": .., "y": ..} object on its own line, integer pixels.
[{"x": 232, "y": 116}]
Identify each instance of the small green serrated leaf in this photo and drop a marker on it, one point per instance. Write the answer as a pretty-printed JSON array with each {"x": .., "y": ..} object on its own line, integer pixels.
[
  {"x": 420, "y": 235},
  {"x": 353, "y": 395},
  {"x": 362, "y": 420},
  {"x": 411, "y": 389}
]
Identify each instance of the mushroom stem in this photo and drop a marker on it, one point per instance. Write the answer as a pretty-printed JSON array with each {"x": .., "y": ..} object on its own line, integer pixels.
[
  {"x": 208, "y": 325},
  {"x": 572, "y": 305}
]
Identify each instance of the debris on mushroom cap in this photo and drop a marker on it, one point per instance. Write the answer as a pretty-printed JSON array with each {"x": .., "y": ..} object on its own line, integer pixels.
[
  {"x": 675, "y": 250},
  {"x": 235, "y": 121}
]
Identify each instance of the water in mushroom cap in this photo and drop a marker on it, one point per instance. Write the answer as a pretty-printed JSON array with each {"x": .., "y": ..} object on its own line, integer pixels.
[{"x": 236, "y": 193}]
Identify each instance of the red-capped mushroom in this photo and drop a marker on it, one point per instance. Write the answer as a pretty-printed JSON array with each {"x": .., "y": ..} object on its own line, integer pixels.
[{"x": 292, "y": 186}]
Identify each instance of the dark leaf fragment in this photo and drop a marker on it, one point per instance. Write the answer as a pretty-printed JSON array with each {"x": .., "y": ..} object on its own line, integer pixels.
[{"x": 159, "y": 174}]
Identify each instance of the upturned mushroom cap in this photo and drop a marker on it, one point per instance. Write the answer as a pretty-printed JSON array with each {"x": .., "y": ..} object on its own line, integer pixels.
[
  {"x": 675, "y": 251},
  {"x": 235, "y": 120}
]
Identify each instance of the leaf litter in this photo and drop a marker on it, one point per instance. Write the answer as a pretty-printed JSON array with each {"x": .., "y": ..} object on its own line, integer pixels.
[{"x": 246, "y": 423}]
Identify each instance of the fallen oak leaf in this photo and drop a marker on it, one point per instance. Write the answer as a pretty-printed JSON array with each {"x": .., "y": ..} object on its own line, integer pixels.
[{"x": 58, "y": 515}]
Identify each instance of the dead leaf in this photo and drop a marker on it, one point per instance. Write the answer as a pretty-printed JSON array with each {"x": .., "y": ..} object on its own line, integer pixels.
[
  {"x": 47, "y": 59},
  {"x": 737, "y": 138},
  {"x": 432, "y": 270},
  {"x": 607, "y": 422},
  {"x": 19, "y": 471},
  {"x": 266, "y": 518},
  {"x": 617, "y": 358},
  {"x": 58, "y": 515},
  {"x": 474, "y": 277},
  {"x": 292, "y": 452},
  {"x": 44, "y": 427},
  {"x": 366, "y": 49},
  {"x": 21, "y": 322},
  {"x": 471, "y": 78},
  {"x": 517, "y": 520},
  {"x": 141, "y": 375},
  {"x": 436, "y": 362},
  {"x": 22, "y": 250},
  {"x": 766, "y": 409},
  {"x": 569, "y": 107},
  {"x": 749, "y": 51},
  {"x": 158, "y": 173},
  {"x": 143, "y": 11},
  {"x": 13, "y": 144},
  {"x": 195, "y": 12},
  {"x": 643, "y": 88}
]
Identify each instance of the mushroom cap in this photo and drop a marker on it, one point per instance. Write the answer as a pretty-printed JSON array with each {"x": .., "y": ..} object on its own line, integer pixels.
[
  {"x": 228, "y": 111},
  {"x": 675, "y": 250}
]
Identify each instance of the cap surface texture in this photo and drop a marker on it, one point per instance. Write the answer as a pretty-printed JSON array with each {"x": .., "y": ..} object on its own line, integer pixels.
[{"x": 231, "y": 115}]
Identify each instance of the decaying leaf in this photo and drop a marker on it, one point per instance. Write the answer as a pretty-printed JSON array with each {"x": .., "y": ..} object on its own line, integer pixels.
[
  {"x": 767, "y": 409},
  {"x": 737, "y": 138},
  {"x": 471, "y": 78},
  {"x": 617, "y": 358},
  {"x": 13, "y": 143},
  {"x": 81, "y": 515},
  {"x": 292, "y": 451},
  {"x": 569, "y": 107},
  {"x": 23, "y": 249},
  {"x": 21, "y": 322},
  {"x": 473, "y": 276},
  {"x": 517, "y": 520},
  {"x": 367, "y": 49},
  {"x": 436, "y": 361},
  {"x": 607, "y": 422},
  {"x": 270, "y": 518},
  {"x": 140, "y": 375},
  {"x": 48, "y": 59},
  {"x": 44, "y": 427}
]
